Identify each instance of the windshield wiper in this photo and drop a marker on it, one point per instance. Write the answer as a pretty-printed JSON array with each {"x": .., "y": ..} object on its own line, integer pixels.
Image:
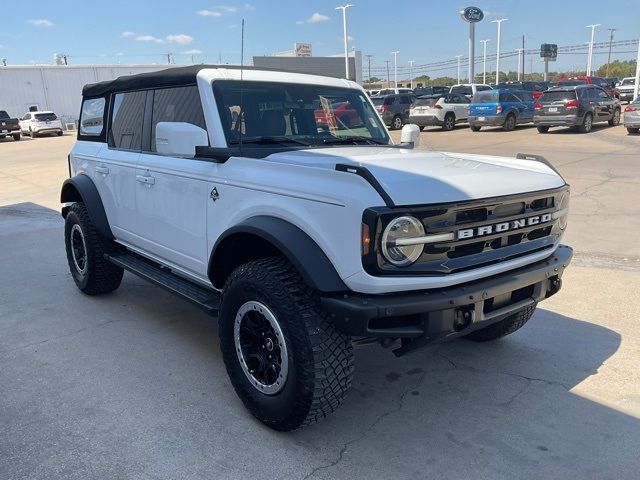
[
  {"x": 270, "y": 140},
  {"x": 352, "y": 140}
]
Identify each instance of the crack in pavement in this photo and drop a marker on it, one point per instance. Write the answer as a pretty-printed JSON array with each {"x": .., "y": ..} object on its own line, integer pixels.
[
  {"x": 70, "y": 334},
  {"x": 346, "y": 445}
]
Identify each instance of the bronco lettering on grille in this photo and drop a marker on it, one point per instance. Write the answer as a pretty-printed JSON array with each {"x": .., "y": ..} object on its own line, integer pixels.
[{"x": 503, "y": 227}]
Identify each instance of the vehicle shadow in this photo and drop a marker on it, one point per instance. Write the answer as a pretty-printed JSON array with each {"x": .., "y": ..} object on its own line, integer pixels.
[
  {"x": 573, "y": 131},
  {"x": 142, "y": 360}
]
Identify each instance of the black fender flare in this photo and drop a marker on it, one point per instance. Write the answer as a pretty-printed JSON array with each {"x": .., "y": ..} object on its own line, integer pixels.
[
  {"x": 82, "y": 189},
  {"x": 299, "y": 248}
]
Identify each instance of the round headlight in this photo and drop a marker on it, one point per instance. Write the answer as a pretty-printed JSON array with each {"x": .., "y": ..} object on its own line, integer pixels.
[
  {"x": 563, "y": 207},
  {"x": 400, "y": 228}
]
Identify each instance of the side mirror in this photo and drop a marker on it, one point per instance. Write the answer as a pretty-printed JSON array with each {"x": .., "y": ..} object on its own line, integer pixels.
[
  {"x": 410, "y": 136},
  {"x": 179, "y": 139}
]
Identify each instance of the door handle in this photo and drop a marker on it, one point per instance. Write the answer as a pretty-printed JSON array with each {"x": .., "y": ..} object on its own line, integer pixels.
[
  {"x": 102, "y": 170},
  {"x": 146, "y": 179}
]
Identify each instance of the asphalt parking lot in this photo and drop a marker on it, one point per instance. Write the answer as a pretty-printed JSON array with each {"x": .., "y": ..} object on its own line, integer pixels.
[{"x": 132, "y": 384}]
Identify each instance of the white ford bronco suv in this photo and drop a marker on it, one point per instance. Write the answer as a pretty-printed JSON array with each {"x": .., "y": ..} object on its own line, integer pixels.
[{"x": 279, "y": 204}]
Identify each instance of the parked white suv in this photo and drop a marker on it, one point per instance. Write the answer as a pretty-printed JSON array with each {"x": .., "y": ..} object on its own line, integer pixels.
[
  {"x": 469, "y": 89},
  {"x": 39, "y": 123},
  {"x": 442, "y": 110},
  {"x": 301, "y": 232}
]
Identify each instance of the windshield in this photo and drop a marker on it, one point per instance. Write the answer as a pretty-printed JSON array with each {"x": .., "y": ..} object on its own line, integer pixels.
[
  {"x": 46, "y": 117},
  {"x": 628, "y": 81},
  {"x": 275, "y": 112}
]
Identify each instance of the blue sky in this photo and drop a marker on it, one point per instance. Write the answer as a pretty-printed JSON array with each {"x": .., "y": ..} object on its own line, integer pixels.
[{"x": 141, "y": 31}]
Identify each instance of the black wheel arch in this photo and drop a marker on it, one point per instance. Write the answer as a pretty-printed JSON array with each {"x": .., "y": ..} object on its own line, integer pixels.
[
  {"x": 82, "y": 189},
  {"x": 264, "y": 236}
]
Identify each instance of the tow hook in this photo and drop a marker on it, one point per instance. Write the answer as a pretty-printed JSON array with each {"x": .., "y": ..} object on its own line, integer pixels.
[{"x": 464, "y": 317}]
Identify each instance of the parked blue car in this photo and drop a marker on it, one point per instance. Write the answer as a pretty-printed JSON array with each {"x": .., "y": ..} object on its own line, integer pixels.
[{"x": 501, "y": 108}]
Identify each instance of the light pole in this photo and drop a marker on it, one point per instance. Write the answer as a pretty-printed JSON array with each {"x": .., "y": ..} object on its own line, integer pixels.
[
  {"x": 593, "y": 32},
  {"x": 346, "y": 48},
  {"x": 611, "y": 30},
  {"x": 458, "y": 57},
  {"x": 519, "y": 50},
  {"x": 499, "y": 22},
  {"x": 395, "y": 68},
  {"x": 411, "y": 62},
  {"x": 484, "y": 60}
]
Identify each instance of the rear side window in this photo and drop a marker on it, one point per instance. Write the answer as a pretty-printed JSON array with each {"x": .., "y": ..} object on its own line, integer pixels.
[
  {"x": 389, "y": 100},
  {"x": 4, "y": 115},
  {"x": 126, "y": 120},
  {"x": 180, "y": 104},
  {"x": 92, "y": 117}
]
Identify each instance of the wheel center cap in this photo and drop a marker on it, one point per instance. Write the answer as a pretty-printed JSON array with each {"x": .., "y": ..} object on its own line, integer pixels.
[{"x": 268, "y": 344}]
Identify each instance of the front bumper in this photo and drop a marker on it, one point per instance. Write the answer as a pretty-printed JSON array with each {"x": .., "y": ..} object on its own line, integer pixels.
[
  {"x": 445, "y": 313},
  {"x": 557, "y": 120},
  {"x": 487, "y": 120},
  {"x": 626, "y": 96}
]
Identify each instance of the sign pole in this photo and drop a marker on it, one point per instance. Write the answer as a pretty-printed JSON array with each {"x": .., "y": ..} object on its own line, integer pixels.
[
  {"x": 636, "y": 88},
  {"x": 546, "y": 69},
  {"x": 472, "y": 52}
]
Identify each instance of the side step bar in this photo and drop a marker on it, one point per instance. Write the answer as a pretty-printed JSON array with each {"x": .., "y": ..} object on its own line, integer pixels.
[{"x": 206, "y": 298}]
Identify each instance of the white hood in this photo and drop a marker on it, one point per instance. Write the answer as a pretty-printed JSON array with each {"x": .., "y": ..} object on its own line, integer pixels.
[{"x": 413, "y": 177}]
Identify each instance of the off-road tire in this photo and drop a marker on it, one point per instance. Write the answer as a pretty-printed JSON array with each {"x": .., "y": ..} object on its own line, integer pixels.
[
  {"x": 449, "y": 122},
  {"x": 59, "y": 133},
  {"x": 503, "y": 327},
  {"x": 421, "y": 127},
  {"x": 475, "y": 128},
  {"x": 615, "y": 119},
  {"x": 32, "y": 134},
  {"x": 320, "y": 358},
  {"x": 16, "y": 137},
  {"x": 633, "y": 129},
  {"x": 587, "y": 123},
  {"x": 542, "y": 129},
  {"x": 396, "y": 122},
  {"x": 509, "y": 123},
  {"x": 100, "y": 275}
]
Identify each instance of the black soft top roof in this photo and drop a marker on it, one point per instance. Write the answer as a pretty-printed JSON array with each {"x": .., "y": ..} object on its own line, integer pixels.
[{"x": 168, "y": 77}]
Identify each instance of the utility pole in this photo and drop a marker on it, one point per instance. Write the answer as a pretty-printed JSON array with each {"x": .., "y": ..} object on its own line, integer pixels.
[
  {"x": 411, "y": 62},
  {"x": 522, "y": 57},
  {"x": 519, "y": 50},
  {"x": 344, "y": 28},
  {"x": 484, "y": 60},
  {"x": 395, "y": 67},
  {"x": 611, "y": 30},
  {"x": 388, "y": 80},
  {"x": 636, "y": 88},
  {"x": 589, "y": 64},
  {"x": 499, "y": 22},
  {"x": 458, "y": 57},
  {"x": 369, "y": 57}
]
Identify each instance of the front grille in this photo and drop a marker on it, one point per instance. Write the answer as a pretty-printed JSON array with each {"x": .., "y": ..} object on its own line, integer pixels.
[{"x": 481, "y": 248}]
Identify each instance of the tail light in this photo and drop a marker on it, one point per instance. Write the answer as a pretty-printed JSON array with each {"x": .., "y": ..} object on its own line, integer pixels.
[
  {"x": 629, "y": 108},
  {"x": 537, "y": 106},
  {"x": 499, "y": 109},
  {"x": 572, "y": 104},
  {"x": 536, "y": 95},
  {"x": 436, "y": 106},
  {"x": 384, "y": 108}
]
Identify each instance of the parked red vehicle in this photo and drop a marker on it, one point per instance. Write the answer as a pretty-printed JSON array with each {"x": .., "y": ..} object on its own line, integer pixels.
[
  {"x": 589, "y": 80},
  {"x": 340, "y": 112}
]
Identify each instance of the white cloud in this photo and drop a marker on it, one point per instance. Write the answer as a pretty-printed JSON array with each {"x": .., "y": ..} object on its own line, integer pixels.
[
  {"x": 317, "y": 17},
  {"x": 193, "y": 51},
  {"x": 149, "y": 38},
  {"x": 208, "y": 13},
  {"x": 41, "y": 22},
  {"x": 180, "y": 39},
  {"x": 249, "y": 8},
  {"x": 226, "y": 9}
]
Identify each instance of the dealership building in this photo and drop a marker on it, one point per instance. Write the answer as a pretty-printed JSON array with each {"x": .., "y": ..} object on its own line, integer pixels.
[{"x": 59, "y": 87}]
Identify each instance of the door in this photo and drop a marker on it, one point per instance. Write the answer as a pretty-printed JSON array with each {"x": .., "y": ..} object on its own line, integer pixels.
[
  {"x": 113, "y": 169},
  {"x": 606, "y": 105},
  {"x": 172, "y": 193},
  {"x": 25, "y": 123},
  {"x": 461, "y": 106}
]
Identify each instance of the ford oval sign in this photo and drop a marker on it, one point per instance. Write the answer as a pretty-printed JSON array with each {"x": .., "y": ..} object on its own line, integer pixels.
[{"x": 472, "y": 14}]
